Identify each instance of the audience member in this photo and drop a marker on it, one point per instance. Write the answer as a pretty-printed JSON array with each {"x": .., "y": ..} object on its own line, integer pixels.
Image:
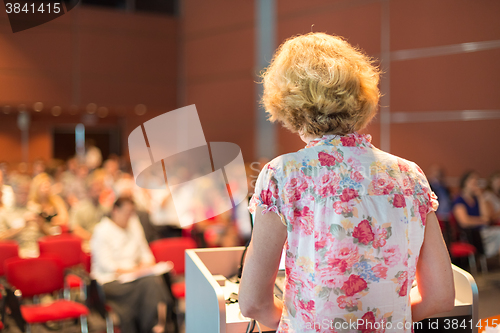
[
  {"x": 20, "y": 174},
  {"x": 471, "y": 212},
  {"x": 93, "y": 156},
  {"x": 119, "y": 246},
  {"x": 69, "y": 175},
  {"x": 76, "y": 190},
  {"x": 438, "y": 185},
  {"x": 22, "y": 225},
  {"x": 85, "y": 215},
  {"x": 38, "y": 167},
  {"x": 48, "y": 206},
  {"x": 113, "y": 173}
]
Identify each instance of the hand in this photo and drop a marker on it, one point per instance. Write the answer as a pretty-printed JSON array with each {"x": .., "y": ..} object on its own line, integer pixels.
[
  {"x": 478, "y": 192},
  {"x": 145, "y": 265},
  {"x": 40, "y": 221},
  {"x": 121, "y": 271}
]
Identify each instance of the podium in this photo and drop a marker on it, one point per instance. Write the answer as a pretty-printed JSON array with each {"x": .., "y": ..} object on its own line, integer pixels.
[
  {"x": 466, "y": 311},
  {"x": 207, "y": 311}
]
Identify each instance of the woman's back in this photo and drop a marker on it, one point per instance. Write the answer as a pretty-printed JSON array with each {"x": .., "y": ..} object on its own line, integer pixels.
[{"x": 355, "y": 217}]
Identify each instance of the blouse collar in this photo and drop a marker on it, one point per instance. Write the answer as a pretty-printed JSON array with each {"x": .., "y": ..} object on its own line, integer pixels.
[{"x": 349, "y": 140}]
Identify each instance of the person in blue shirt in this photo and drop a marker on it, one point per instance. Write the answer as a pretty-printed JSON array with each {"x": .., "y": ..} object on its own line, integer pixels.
[{"x": 472, "y": 214}]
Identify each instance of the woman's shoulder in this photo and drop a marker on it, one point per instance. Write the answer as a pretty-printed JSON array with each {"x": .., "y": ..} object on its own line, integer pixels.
[
  {"x": 396, "y": 167},
  {"x": 285, "y": 165},
  {"x": 104, "y": 226},
  {"x": 396, "y": 160}
]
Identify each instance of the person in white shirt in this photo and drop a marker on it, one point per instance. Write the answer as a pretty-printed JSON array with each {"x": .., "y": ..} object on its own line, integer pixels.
[{"x": 118, "y": 246}]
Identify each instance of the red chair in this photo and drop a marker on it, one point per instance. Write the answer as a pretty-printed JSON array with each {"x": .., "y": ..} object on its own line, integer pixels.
[
  {"x": 68, "y": 249},
  {"x": 460, "y": 246},
  {"x": 86, "y": 261},
  {"x": 2, "y": 316},
  {"x": 172, "y": 249},
  {"x": 8, "y": 249},
  {"x": 42, "y": 275}
]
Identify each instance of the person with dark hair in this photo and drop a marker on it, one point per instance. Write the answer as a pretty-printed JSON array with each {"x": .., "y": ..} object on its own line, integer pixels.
[
  {"x": 357, "y": 223},
  {"x": 118, "y": 247},
  {"x": 473, "y": 215}
]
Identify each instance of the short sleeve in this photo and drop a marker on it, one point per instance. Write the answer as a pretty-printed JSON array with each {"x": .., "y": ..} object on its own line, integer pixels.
[
  {"x": 266, "y": 193},
  {"x": 427, "y": 196}
]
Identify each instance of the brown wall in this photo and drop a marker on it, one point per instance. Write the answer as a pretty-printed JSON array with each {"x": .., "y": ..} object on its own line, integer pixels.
[
  {"x": 219, "y": 58},
  {"x": 465, "y": 81},
  {"x": 117, "y": 59},
  {"x": 90, "y": 55}
]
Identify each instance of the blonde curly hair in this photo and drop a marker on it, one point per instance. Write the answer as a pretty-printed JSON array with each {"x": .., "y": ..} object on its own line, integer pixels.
[{"x": 318, "y": 83}]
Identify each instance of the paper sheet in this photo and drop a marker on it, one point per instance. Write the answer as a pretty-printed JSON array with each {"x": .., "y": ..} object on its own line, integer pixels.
[{"x": 158, "y": 269}]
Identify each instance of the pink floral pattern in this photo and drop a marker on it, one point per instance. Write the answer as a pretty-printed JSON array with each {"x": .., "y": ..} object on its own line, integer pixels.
[{"x": 355, "y": 217}]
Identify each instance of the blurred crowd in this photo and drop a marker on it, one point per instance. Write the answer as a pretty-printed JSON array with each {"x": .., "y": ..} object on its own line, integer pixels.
[
  {"x": 49, "y": 198},
  {"x": 470, "y": 212}
]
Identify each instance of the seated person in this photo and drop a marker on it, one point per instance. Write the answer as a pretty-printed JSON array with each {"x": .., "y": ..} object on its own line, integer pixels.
[
  {"x": 85, "y": 215},
  {"x": 22, "y": 225},
  {"x": 471, "y": 212},
  {"x": 48, "y": 206},
  {"x": 118, "y": 246}
]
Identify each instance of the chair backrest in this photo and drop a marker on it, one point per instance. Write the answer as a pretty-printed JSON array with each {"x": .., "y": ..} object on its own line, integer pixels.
[
  {"x": 172, "y": 249},
  {"x": 86, "y": 261},
  {"x": 8, "y": 249},
  {"x": 34, "y": 276},
  {"x": 67, "y": 247},
  {"x": 466, "y": 293}
]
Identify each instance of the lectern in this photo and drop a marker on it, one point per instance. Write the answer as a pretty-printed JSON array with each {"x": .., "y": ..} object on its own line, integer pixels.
[{"x": 207, "y": 311}]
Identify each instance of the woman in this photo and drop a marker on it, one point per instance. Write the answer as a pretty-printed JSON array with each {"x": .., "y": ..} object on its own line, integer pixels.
[
  {"x": 49, "y": 207},
  {"x": 472, "y": 213},
  {"x": 353, "y": 219}
]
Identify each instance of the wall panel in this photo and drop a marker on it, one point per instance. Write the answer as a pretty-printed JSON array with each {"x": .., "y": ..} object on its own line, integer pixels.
[
  {"x": 428, "y": 23},
  {"x": 457, "y": 146},
  {"x": 359, "y": 24},
  {"x": 467, "y": 81}
]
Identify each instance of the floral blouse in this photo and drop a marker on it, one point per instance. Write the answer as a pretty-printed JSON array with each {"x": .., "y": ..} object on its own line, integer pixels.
[{"x": 355, "y": 219}]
